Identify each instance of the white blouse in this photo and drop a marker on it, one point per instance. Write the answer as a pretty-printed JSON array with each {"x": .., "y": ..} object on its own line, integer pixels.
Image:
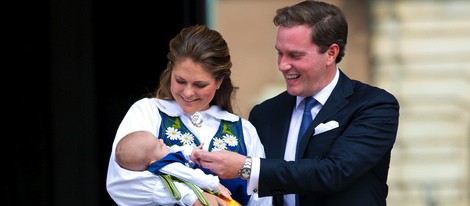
[{"x": 144, "y": 188}]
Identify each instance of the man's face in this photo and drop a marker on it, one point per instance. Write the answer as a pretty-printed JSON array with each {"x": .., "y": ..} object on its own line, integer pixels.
[{"x": 306, "y": 70}]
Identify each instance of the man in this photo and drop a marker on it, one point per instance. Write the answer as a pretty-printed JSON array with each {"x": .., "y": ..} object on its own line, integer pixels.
[{"x": 343, "y": 157}]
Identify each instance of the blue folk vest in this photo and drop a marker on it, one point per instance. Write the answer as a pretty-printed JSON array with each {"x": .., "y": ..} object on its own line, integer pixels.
[{"x": 229, "y": 136}]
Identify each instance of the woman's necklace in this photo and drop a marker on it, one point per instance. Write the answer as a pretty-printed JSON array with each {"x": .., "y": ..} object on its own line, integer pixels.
[{"x": 196, "y": 119}]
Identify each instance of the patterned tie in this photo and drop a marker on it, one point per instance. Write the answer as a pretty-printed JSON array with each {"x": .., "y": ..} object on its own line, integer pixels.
[{"x": 306, "y": 117}]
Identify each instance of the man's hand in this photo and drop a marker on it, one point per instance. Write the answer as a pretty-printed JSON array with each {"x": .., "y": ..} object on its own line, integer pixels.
[{"x": 224, "y": 164}]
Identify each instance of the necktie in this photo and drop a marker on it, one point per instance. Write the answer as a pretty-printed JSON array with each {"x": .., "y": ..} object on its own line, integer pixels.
[
  {"x": 306, "y": 120},
  {"x": 306, "y": 117}
]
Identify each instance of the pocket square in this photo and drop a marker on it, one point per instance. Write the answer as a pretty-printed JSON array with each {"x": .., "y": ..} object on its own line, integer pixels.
[{"x": 323, "y": 127}]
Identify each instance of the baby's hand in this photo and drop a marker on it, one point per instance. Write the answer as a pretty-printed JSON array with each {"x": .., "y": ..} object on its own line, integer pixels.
[
  {"x": 200, "y": 146},
  {"x": 226, "y": 195},
  {"x": 192, "y": 158},
  {"x": 224, "y": 192}
]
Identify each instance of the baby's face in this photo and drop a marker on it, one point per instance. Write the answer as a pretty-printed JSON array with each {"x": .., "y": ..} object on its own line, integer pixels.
[{"x": 161, "y": 149}]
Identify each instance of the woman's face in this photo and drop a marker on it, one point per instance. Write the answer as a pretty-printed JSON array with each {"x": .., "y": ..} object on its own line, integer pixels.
[{"x": 192, "y": 86}]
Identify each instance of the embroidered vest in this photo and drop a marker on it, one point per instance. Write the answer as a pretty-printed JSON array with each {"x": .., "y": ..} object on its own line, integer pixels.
[{"x": 229, "y": 136}]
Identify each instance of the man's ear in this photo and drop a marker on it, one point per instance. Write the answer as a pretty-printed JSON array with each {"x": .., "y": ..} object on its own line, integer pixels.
[{"x": 332, "y": 53}]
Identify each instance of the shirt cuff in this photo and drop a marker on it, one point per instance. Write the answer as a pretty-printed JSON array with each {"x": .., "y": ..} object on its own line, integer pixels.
[{"x": 252, "y": 187}]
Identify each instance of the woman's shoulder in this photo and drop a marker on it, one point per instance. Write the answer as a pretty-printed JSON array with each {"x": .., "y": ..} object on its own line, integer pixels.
[
  {"x": 246, "y": 123},
  {"x": 160, "y": 104},
  {"x": 145, "y": 102}
]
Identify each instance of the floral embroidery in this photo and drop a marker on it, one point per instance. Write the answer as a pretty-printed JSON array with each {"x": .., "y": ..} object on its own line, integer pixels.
[
  {"x": 230, "y": 140},
  {"x": 187, "y": 138},
  {"x": 173, "y": 133},
  {"x": 229, "y": 136},
  {"x": 219, "y": 144}
]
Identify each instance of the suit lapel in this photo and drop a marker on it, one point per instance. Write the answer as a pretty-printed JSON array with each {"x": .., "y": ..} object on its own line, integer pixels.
[
  {"x": 280, "y": 125},
  {"x": 336, "y": 101}
]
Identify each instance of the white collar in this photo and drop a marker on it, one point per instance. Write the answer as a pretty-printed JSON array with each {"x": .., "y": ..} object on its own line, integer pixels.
[
  {"x": 323, "y": 95},
  {"x": 172, "y": 108}
]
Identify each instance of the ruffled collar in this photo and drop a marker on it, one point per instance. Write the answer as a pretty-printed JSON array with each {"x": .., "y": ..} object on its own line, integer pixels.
[{"x": 172, "y": 108}]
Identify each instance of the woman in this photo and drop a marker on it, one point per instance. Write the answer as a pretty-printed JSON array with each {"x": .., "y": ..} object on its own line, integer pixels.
[{"x": 192, "y": 106}]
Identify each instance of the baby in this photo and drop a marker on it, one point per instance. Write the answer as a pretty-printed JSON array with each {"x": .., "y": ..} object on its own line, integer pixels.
[{"x": 141, "y": 150}]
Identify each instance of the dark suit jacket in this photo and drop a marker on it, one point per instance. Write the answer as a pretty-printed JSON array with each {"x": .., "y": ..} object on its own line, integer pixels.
[{"x": 344, "y": 166}]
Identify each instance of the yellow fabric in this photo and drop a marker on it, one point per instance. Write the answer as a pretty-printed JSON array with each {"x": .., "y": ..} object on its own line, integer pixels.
[{"x": 231, "y": 202}]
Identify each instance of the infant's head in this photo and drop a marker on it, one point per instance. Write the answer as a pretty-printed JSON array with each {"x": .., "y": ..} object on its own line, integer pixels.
[{"x": 137, "y": 150}]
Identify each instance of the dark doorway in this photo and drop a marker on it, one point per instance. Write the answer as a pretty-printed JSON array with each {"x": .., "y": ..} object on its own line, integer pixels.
[{"x": 74, "y": 68}]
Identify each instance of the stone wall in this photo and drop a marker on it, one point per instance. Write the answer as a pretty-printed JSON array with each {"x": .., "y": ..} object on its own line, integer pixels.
[
  {"x": 419, "y": 50},
  {"x": 421, "y": 53}
]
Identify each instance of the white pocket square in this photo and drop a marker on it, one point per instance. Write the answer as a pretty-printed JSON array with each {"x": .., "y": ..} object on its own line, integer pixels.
[{"x": 323, "y": 127}]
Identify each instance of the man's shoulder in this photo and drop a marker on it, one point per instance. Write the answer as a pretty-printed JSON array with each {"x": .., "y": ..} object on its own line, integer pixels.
[
  {"x": 370, "y": 93},
  {"x": 369, "y": 89},
  {"x": 361, "y": 88},
  {"x": 281, "y": 102}
]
